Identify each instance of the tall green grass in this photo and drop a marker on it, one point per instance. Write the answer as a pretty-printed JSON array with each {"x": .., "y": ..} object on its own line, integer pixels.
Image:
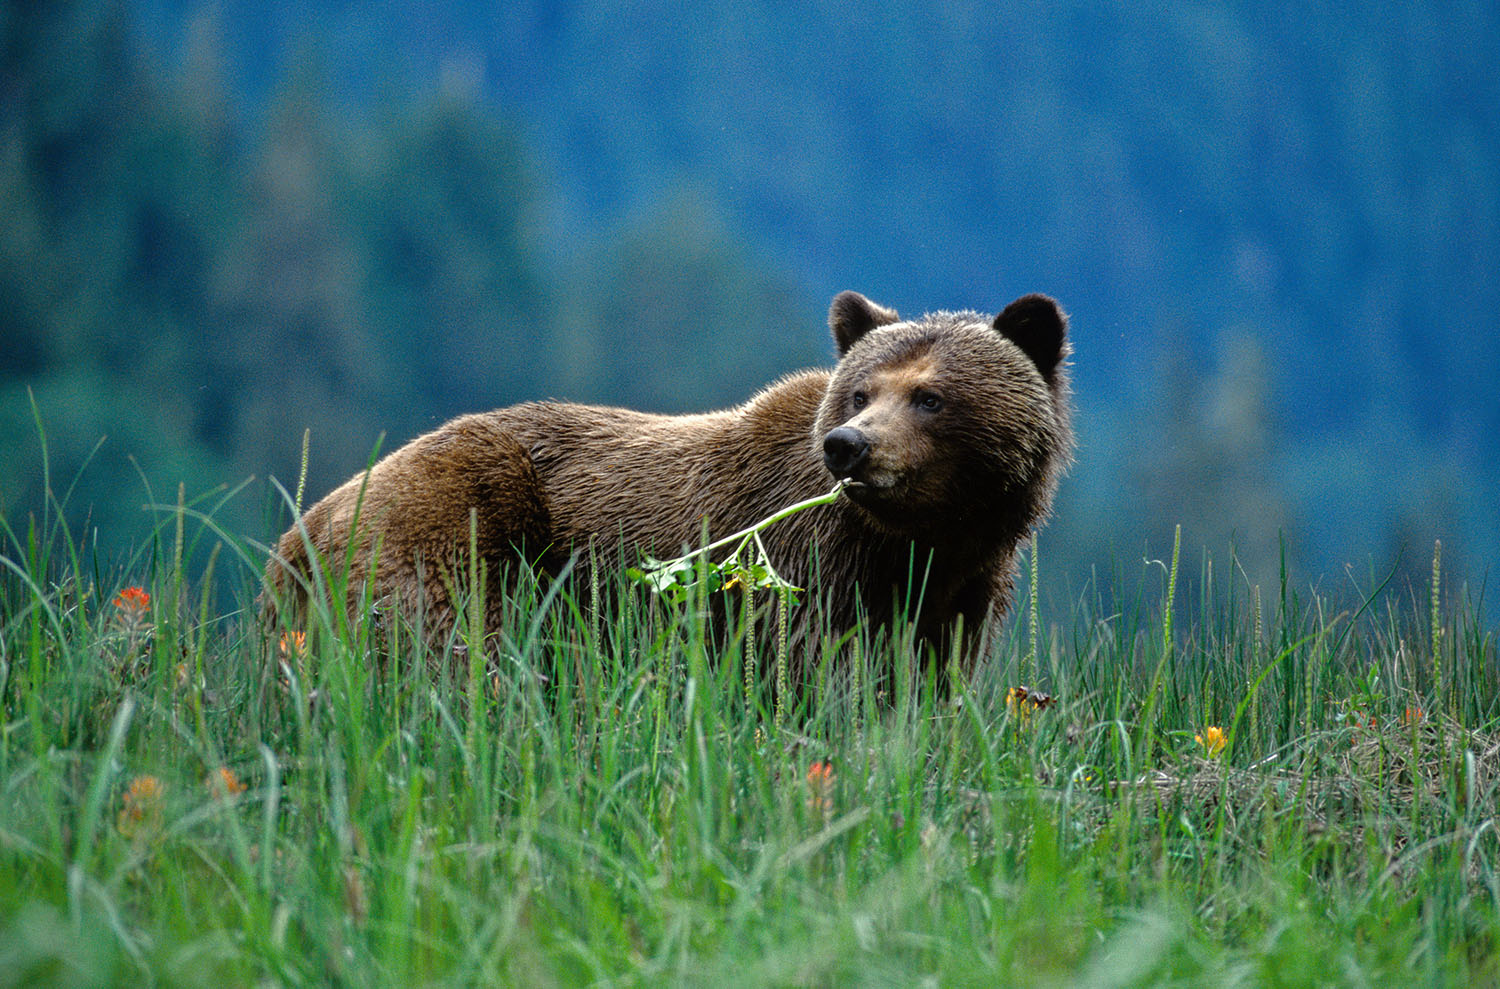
[{"x": 604, "y": 798}]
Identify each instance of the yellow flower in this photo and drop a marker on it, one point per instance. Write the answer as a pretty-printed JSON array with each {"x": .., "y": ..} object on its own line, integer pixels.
[
  {"x": 1021, "y": 701},
  {"x": 1015, "y": 703},
  {"x": 141, "y": 815},
  {"x": 1212, "y": 740}
]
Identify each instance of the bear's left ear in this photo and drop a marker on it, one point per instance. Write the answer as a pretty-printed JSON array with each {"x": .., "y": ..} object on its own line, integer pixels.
[
  {"x": 1038, "y": 327},
  {"x": 852, "y": 316}
]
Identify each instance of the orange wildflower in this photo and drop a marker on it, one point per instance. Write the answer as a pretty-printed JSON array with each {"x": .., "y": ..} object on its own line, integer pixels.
[
  {"x": 224, "y": 783},
  {"x": 133, "y": 613},
  {"x": 1411, "y": 716},
  {"x": 133, "y": 601},
  {"x": 143, "y": 803},
  {"x": 1212, "y": 740},
  {"x": 293, "y": 643},
  {"x": 820, "y": 787}
]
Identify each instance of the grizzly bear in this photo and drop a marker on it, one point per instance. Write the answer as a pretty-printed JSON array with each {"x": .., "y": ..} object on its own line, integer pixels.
[{"x": 951, "y": 431}]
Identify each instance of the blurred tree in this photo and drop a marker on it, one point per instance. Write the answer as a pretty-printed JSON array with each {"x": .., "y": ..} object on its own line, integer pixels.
[
  {"x": 443, "y": 202},
  {"x": 1206, "y": 452},
  {"x": 201, "y": 287},
  {"x": 674, "y": 314},
  {"x": 288, "y": 344},
  {"x": 62, "y": 130},
  {"x": 100, "y": 253}
]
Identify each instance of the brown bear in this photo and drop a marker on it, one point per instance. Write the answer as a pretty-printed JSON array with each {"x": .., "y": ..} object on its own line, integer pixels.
[{"x": 951, "y": 429}]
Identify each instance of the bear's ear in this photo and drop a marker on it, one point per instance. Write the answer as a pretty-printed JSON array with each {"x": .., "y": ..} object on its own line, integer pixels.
[
  {"x": 1038, "y": 327},
  {"x": 852, "y": 316}
]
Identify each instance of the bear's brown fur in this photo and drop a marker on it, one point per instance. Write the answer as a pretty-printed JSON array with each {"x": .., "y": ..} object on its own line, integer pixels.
[{"x": 952, "y": 428}]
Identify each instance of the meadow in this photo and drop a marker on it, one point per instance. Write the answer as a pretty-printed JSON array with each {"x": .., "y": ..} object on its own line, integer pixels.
[{"x": 1175, "y": 778}]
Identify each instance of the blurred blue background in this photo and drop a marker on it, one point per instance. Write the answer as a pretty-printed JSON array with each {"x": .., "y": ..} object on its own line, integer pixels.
[{"x": 1276, "y": 228}]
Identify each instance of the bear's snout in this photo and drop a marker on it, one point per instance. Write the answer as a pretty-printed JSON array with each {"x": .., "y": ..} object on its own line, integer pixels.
[{"x": 845, "y": 450}]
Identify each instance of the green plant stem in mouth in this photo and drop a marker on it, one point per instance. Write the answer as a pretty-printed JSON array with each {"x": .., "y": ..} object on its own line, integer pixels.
[
  {"x": 679, "y": 574},
  {"x": 823, "y": 499}
]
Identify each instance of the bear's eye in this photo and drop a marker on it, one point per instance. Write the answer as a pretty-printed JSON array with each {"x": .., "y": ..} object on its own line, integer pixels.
[
  {"x": 859, "y": 400},
  {"x": 927, "y": 401}
]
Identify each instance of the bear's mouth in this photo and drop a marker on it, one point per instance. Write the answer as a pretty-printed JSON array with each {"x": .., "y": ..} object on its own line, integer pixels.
[{"x": 865, "y": 490}]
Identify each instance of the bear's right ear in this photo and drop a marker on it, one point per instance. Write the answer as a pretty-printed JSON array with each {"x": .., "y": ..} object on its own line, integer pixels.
[
  {"x": 852, "y": 316},
  {"x": 1036, "y": 325}
]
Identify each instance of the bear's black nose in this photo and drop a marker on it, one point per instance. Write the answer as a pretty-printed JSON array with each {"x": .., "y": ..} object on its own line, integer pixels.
[{"x": 845, "y": 450}]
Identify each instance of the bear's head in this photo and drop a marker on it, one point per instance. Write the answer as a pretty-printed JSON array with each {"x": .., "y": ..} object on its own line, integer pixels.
[{"x": 954, "y": 424}]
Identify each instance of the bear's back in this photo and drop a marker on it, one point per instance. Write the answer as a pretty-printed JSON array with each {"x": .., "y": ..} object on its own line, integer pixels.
[{"x": 650, "y": 481}]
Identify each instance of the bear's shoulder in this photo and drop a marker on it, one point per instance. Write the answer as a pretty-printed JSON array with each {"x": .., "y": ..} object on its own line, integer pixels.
[{"x": 790, "y": 395}]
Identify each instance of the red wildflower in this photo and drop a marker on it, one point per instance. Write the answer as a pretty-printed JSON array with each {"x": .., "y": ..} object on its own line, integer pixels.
[
  {"x": 820, "y": 786},
  {"x": 133, "y": 601}
]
